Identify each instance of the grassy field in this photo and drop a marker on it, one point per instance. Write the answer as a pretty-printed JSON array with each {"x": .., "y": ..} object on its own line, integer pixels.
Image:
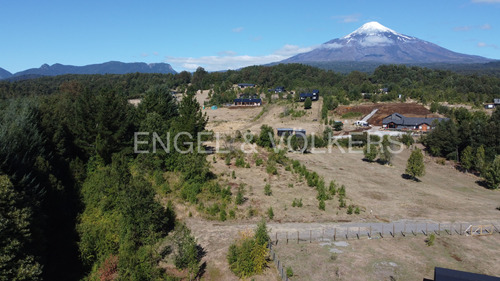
[
  {"x": 444, "y": 194},
  {"x": 390, "y": 258}
]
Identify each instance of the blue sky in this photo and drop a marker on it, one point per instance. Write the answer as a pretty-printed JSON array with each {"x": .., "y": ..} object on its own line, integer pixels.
[{"x": 225, "y": 34}]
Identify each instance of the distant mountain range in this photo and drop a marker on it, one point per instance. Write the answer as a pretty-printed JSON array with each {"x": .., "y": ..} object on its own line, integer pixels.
[
  {"x": 374, "y": 43},
  {"x": 112, "y": 67}
]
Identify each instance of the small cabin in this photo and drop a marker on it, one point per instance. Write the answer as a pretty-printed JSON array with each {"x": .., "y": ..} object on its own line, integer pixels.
[
  {"x": 247, "y": 102},
  {"x": 245, "y": 85}
]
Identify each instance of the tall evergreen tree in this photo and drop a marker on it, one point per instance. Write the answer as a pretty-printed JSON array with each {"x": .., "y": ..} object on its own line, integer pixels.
[
  {"x": 16, "y": 262},
  {"x": 479, "y": 159},
  {"x": 492, "y": 174},
  {"x": 467, "y": 160},
  {"x": 307, "y": 103},
  {"x": 415, "y": 166}
]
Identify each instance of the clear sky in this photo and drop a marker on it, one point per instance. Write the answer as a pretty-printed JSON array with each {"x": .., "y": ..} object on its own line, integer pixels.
[{"x": 225, "y": 34}]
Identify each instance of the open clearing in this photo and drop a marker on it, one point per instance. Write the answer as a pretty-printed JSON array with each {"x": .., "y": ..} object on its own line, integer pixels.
[
  {"x": 390, "y": 258},
  {"x": 383, "y": 195}
]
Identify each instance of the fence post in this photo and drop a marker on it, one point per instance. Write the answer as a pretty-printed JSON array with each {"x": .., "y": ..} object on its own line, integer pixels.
[
  {"x": 276, "y": 237},
  {"x": 460, "y": 229},
  {"x": 451, "y": 229},
  {"x": 439, "y": 229},
  {"x": 393, "y": 231},
  {"x": 287, "y": 237},
  {"x": 426, "y": 229},
  {"x": 370, "y": 235},
  {"x": 310, "y": 236},
  {"x": 334, "y": 234},
  {"x": 359, "y": 229},
  {"x": 347, "y": 234},
  {"x": 382, "y": 233}
]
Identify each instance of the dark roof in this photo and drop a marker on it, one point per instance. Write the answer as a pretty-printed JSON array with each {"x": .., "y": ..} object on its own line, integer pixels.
[
  {"x": 308, "y": 94},
  {"x": 247, "y": 100},
  {"x": 496, "y": 101},
  {"x": 444, "y": 274},
  {"x": 400, "y": 119},
  {"x": 315, "y": 91}
]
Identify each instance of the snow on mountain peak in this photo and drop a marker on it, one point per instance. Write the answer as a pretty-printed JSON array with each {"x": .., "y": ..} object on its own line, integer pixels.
[{"x": 374, "y": 28}]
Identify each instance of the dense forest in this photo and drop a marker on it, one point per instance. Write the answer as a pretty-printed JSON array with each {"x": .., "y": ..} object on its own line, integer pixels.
[{"x": 77, "y": 203}]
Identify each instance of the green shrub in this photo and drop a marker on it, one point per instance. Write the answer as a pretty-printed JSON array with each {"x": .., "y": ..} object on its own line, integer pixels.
[
  {"x": 350, "y": 209},
  {"x": 258, "y": 162},
  {"x": 222, "y": 215},
  {"x": 321, "y": 205},
  {"x": 332, "y": 188},
  {"x": 271, "y": 168},
  {"x": 357, "y": 210},
  {"x": 239, "y": 196},
  {"x": 240, "y": 162},
  {"x": 289, "y": 272},
  {"x": 232, "y": 214},
  {"x": 270, "y": 213},
  {"x": 430, "y": 240},
  {"x": 267, "y": 190},
  {"x": 233, "y": 174}
]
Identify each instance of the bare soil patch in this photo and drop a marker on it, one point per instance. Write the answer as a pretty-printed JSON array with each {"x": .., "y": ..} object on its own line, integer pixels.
[{"x": 385, "y": 109}]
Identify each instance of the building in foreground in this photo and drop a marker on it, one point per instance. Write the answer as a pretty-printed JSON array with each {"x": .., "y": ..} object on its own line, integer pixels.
[{"x": 400, "y": 122}]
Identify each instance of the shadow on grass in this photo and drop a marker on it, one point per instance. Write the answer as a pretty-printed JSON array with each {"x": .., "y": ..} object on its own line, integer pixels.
[{"x": 408, "y": 177}]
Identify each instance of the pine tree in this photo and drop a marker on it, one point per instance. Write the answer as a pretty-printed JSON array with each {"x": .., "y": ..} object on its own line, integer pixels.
[
  {"x": 467, "y": 160},
  {"x": 415, "y": 166},
  {"x": 492, "y": 174},
  {"x": 307, "y": 103},
  {"x": 385, "y": 152},
  {"x": 370, "y": 152},
  {"x": 479, "y": 159},
  {"x": 15, "y": 261}
]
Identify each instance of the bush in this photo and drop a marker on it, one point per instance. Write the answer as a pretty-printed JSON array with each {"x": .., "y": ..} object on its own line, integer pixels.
[
  {"x": 321, "y": 205},
  {"x": 232, "y": 214},
  {"x": 240, "y": 162},
  {"x": 267, "y": 190},
  {"x": 233, "y": 174},
  {"x": 222, "y": 215},
  {"x": 332, "y": 188},
  {"x": 430, "y": 240},
  {"x": 357, "y": 210},
  {"x": 289, "y": 272},
  {"x": 270, "y": 213},
  {"x": 258, "y": 162},
  {"x": 297, "y": 202},
  {"x": 271, "y": 168},
  {"x": 350, "y": 209},
  {"x": 239, "y": 196}
]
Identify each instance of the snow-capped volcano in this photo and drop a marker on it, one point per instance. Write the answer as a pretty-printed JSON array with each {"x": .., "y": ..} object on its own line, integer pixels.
[{"x": 374, "y": 42}]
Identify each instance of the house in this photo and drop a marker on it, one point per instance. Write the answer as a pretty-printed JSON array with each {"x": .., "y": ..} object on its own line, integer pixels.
[
  {"x": 401, "y": 122},
  {"x": 496, "y": 102},
  {"x": 289, "y": 131},
  {"x": 248, "y": 102},
  {"x": 245, "y": 85},
  {"x": 279, "y": 89},
  {"x": 445, "y": 274},
  {"x": 314, "y": 96}
]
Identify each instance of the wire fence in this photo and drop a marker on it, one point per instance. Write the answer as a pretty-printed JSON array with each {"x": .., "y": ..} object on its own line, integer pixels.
[
  {"x": 279, "y": 265},
  {"x": 385, "y": 230}
]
